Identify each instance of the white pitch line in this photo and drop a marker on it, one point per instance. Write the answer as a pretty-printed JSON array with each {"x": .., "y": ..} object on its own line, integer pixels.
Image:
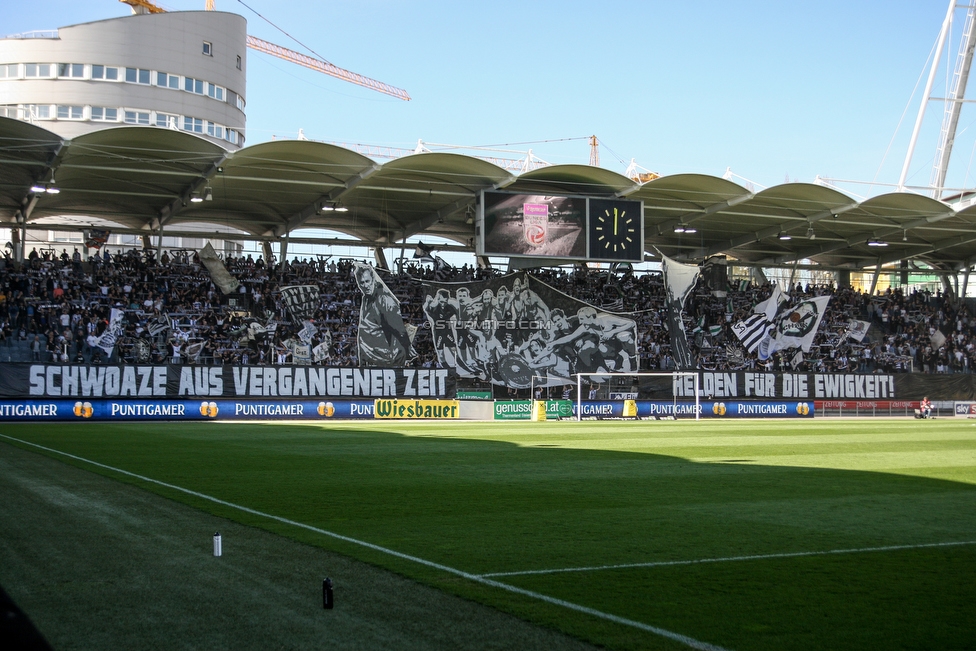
[
  {"x": 728, "y": 559},
  {"x": 477, "y": 578}
]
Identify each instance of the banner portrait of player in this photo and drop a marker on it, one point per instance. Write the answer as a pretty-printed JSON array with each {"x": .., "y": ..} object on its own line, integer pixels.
[
  {"x": 383, "y": 337},
  {"x": 512, "y": 329}
]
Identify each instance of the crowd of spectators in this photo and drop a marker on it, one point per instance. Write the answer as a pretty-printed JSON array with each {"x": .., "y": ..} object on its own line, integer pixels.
[{"x": 56, "y": 308}]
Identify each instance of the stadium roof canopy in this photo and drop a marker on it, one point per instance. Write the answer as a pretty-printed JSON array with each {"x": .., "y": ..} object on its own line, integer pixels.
[{"x": 144, "y": 178}]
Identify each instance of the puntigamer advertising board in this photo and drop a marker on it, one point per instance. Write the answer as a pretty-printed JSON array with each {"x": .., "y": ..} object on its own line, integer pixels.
[{"x": 107, "y": 409}]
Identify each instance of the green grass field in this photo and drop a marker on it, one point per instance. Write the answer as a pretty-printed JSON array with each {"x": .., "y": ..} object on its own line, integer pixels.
[{"x": 826, "y": 534}]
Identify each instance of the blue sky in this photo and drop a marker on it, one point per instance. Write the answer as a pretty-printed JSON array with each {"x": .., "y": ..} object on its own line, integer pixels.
[{"x": 774, "y": 90}]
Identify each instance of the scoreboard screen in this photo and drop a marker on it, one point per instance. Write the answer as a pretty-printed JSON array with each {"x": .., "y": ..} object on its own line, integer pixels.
[{"x": 565, "y": 227}]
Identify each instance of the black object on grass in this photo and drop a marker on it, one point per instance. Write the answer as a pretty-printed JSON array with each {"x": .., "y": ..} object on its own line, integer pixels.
[{"x": 327, "y": 601}]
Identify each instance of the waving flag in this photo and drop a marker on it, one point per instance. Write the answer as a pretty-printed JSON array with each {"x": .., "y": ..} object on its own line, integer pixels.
[
  {"x": 796, "y": 328},
  {"x": 679, "y": 279}
]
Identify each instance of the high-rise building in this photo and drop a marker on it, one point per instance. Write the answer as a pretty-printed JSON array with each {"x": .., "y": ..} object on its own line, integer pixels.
[{"x": 181, "y": 70}]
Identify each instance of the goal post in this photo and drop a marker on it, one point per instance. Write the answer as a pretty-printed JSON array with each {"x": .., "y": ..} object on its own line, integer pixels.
[{"x": 658, "y": 386}]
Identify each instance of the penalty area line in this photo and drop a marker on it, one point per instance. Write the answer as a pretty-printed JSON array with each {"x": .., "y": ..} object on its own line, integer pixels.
[
  {"x": 476, "y": 578},
  {"x": 729, "y": 559}
]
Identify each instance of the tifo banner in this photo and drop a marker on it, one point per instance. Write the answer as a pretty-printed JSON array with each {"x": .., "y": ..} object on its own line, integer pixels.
[
  {"x": 218, "y": 272},
  {"x": 82, "y": 410},
  {"x": 382, "y": 335},
  {"x": 820, "y": 386},
  {"x": 173, "y": 381},
  {"x": 301, "y": 300},
  {"x": 518, "y": 331}
]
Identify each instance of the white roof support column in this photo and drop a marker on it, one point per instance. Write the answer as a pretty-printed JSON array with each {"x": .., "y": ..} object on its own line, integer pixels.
[
  {"x": 283, "y": 249},
  {"x": 874, "y": 281}
]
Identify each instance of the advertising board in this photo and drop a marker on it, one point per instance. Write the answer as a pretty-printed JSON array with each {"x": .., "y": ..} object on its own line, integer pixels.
[
  {"x": 522, "y": 409},
  {"x": 653, "y": 409},
  {"x": 100, "y": 410},
  {"x": 415, "y": 409}
]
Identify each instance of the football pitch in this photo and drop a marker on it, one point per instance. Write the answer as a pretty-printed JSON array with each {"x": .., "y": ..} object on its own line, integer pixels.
[{"x": 820, "y": 534}]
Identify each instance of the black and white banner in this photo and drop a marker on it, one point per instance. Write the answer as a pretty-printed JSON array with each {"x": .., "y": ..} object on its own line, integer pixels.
[
  {"x": 382, "y": 336},
  {"x": 518, "y": 331},
  {"x": 112, "y": 333},
  {"x": 758, "y": 385},
  {"x": 301, "y": 300},
  {"x": 679, "y": 279},
  {"x": 174, "y": 381}
]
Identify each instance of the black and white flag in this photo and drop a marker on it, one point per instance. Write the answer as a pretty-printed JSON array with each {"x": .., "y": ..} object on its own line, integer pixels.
[
  {"x": 796, "y": 328},
  {"x": 158, "y": 325},
  {"x": 679, "y": 279},
  {"x": 301, "y": 300},
  {"x": 752, "y": 330},
  {"x": 112, "y": 333},
  {"x": 757, "y": 328},
  {"x": 857, "y": 329},
  {"x": 306, "y": 333}
]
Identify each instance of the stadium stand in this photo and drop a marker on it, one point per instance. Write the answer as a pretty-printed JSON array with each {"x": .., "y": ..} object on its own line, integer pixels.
[{"x": 55, "y": 306}]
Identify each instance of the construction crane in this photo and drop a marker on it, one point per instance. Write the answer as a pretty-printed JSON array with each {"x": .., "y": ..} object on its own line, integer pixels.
[{"x": 144, "y": 6}]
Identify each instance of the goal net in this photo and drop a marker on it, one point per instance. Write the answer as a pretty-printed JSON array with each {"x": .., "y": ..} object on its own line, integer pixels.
[{"x": 662, "y": 389}]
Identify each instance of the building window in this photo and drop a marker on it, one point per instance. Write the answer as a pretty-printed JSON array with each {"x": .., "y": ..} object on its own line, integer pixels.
[
  {"x": 215, "y": 130},
  {"x": 238, "y": 61},
  {"x": 167, "y": 81},
  {"x": 136, "y": 117},
  {"x": 191, "y": 85},
  {"x": 193, "y": 124},
  {"x": 9, "y": 71},
  {"x": 215, "y": 91},
  {"x": 38, "y": 111},
  {"x": 137, "y": 76},
  {"x": 208, "y": 48},
  {"x": 107, "y": 73},
  {"x": 71, "y": 112},
  {"x": 232, "y": 136},
  {"x": 72, "y": 70},
  {"x": 240, "y": 102},
  {"x": 104, "y": 114},
  {"x": 167, "y": 121},
  {"x": 38, "y": 70}
]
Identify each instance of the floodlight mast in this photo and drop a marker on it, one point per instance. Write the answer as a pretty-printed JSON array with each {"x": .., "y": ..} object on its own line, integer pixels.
[
  {"x": 926, "y": 95},
  {"x": 954, "y": 102}
]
